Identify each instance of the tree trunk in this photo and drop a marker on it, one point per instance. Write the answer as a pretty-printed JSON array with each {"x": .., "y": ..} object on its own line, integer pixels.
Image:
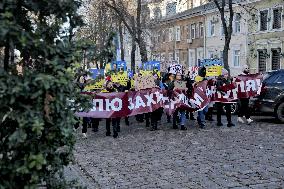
[
  {"x": 133, "y": 50},
  {"x": 141, "y": 42},
  {"x": 121, "y": 40},
  {"x": 6, "y": 55},
  {"x": 226, "y": 55}
]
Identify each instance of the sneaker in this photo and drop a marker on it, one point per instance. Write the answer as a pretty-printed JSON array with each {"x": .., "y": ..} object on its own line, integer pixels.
[
  {"x": 175, "y": 127},
  {"x": 219, "y": 124},
  {"x": 84, "y": 135},
  {"x": 240, "y": 120},
  {"x": 249, "y": 120}
]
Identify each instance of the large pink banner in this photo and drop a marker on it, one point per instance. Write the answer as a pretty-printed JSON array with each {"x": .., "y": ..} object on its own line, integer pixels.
[{"x": 121, "y": 104}]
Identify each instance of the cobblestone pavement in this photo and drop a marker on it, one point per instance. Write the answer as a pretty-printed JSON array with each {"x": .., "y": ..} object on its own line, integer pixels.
[{"x": 245, "y": 156}]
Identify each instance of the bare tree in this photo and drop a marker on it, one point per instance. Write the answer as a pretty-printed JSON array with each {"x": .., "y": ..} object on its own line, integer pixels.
[
  {"x": 222, "y": 6},
  {"x": 100, "y": 24},
  {"x": 126, "y": 11}
]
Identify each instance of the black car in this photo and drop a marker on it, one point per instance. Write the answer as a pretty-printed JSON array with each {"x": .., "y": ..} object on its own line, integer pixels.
[{"x": 271, "y": 99}]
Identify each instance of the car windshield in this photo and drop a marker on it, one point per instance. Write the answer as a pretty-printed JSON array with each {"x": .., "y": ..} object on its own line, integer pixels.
[{"x": 266, "y": 75}]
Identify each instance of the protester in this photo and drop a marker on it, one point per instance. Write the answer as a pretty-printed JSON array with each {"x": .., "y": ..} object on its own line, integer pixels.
[
  {"x": 189, "y": 85},
  {"x": 221, "y": 82},
  {"x": 202, "y": 112},
  {"x": 115, "y": 121},
  {"x": 156, "y": 114},
  {"x": 166, "y": 83},
  {"x": 244, "y": 110},
  {"x": 180, "y": 111},
  {"x": 82, "y": 82}
]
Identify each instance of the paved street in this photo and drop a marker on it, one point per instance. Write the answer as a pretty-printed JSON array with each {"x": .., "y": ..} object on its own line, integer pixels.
[{"x": 217, "y": 157}]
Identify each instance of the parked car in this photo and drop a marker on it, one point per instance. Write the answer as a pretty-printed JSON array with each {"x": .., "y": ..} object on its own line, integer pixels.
[
  {"x": 271, "y": 99},
  {"x": 234, "y": 107}
]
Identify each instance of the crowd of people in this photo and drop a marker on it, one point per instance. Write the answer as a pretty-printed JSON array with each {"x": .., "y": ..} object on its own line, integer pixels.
[{"x": 179, "y": 118}]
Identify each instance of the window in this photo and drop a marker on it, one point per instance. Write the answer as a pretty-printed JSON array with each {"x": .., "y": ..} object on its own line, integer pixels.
[
  {"x": 164, "y": 36},
  {"x": 236, "y": 56},
  {"x": 177, "y": 56},
  {"x": 211, "y": 28},
  {"x": 201, "y": 29},
  {"x": 222, "y": 33},
  {"x": 210, "y": 54},
  {"x": 171, "y": 57},
  {"x": 191, "y": 57},
  {"x": 263, "y": 20},
  {"x": 171, "y": 34},
  {"x": 188, "y": 32},
  {"x": 277, "y": 18},
  {"x": 199, "y": 54},
  {"x": 157, "y": 13},
  {"x": 237, "y": 23},
  {"x": 275, "y": 60},
  {"x": 193, "y": 28},
  {"x": 171, "y": 8},
  {"x": 177, "y": 33},
  {"x": 280, "y": 79},
  {"x": 163, "y": 57},
  {"x": 221, "y": 55},
  {"x": 262, "y": 60}
]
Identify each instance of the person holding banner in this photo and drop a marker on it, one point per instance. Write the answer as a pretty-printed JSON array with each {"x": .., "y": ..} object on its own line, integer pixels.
[
  {"x": 201, "y": 113},
  {"x": 166, "y": 83},
  {"x": 157, "y": 114},
  {"x": 221, "y": 82},
  {"x": 244, "y": 103},
  {"x": 109, "y": 87},
  {"x": 189, "y": 85},
  {"x": 178, "y": 82}
]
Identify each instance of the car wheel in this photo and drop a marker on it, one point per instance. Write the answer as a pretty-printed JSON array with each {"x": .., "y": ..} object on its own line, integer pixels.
[
  {"x": 279, "y": 113},
  {"x": 234, "y": 108}
]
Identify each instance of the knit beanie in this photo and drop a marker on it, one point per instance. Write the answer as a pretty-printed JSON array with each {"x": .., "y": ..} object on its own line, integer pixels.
[{"x": 224, "y": 71}]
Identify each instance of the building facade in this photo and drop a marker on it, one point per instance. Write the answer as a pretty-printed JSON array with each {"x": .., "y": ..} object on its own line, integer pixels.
[
  {"x": 266, "y": 36},
  {"x": 215, "y": 39},
  {"x": 179, "y": 38}
]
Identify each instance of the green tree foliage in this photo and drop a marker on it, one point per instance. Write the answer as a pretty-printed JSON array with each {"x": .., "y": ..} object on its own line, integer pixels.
[{"x": 37, "y": 107}]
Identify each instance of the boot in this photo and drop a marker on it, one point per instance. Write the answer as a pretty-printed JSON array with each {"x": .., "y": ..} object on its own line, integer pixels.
[
  {"x": 175, "y": 126},
  {"x": 108, "y": 133},
  {"x": 154, "y": 127},
  {"x": 230, "y": 124},
  {"x": 182, "y": 127},
  {"x": 219, "y": 124},
  {"x": 192, "y": 116},
  {"x": 115, "y": 135},
  {"x": 126, "y": 121}
]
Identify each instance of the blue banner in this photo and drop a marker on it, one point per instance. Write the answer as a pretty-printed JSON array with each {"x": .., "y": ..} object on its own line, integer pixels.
[
  {"x": 210, "y": 62},
  {"x": 96, "y": 72},
  {"x": 151, "y": 65},
  {"x": 119, "y": 64}
]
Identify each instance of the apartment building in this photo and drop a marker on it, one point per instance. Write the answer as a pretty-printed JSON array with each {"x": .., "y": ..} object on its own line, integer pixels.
[
  {"x": 215, "y": 39},
  {"x": 266, "y": 35},
  {"x": 179, "y": 38}
]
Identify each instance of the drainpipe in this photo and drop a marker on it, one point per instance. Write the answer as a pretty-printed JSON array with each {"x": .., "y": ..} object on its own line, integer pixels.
[{"x": 204, "y": 34}]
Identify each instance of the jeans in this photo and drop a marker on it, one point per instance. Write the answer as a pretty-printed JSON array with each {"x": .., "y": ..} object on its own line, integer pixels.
[
  {"x": 182, "y": 117},
  {"x": 201, "y": 116}
]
